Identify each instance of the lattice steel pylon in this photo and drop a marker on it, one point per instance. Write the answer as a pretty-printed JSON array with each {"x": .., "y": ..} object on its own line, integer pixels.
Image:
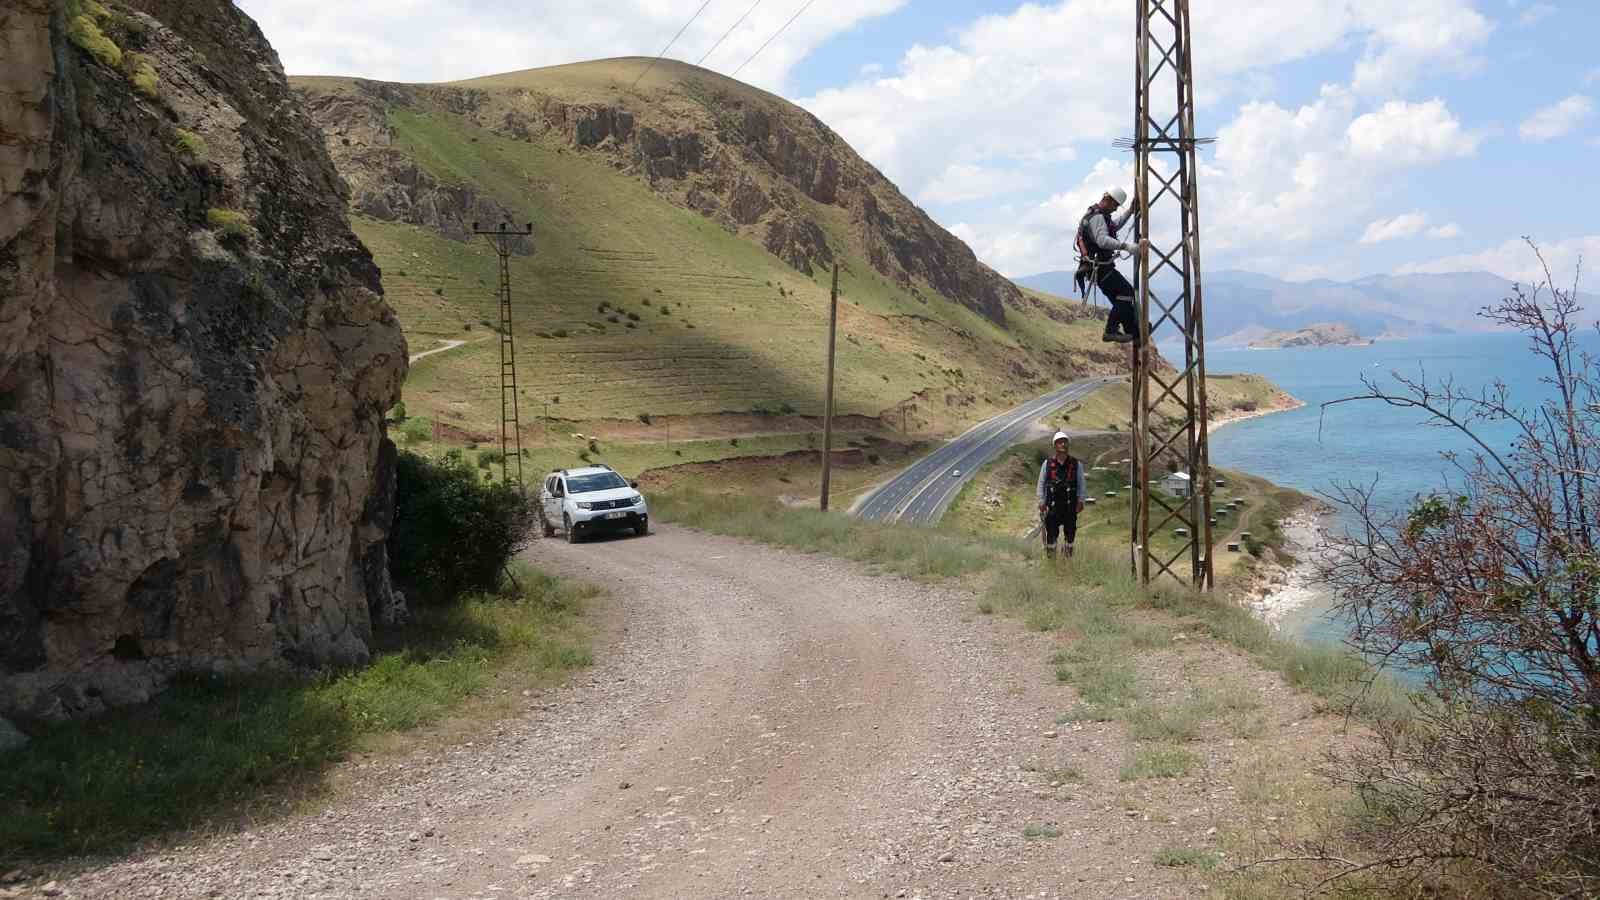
[
  {"x": 510, "y": 421},
  {"x": 1165, "y": 160}
]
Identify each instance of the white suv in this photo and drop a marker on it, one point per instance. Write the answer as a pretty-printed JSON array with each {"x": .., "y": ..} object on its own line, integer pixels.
[{"x": 591, "y": 499}]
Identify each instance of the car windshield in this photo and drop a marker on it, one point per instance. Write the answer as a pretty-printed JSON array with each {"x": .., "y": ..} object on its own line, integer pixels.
[{"x": 600, "y": 481}]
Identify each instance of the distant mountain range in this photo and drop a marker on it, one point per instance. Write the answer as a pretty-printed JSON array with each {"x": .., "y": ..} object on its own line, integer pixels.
[{"x": 1241, "y": 305}]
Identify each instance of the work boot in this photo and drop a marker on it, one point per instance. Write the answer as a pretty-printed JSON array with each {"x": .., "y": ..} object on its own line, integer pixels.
[
  {"x": 1050, "y": 551},
  {"x": 1112, "y": 337},
  {"x": 1067, "y": 551}
]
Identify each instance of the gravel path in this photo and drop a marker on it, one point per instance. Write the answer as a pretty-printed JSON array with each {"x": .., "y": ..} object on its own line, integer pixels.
[{"x": 767, "y": 724}]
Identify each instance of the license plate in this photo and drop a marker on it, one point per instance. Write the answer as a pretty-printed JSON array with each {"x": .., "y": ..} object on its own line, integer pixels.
[{"x": 616, "y": 515}]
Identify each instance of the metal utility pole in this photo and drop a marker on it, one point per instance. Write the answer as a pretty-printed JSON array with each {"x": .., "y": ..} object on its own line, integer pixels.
[
  {"x": 510, "y": 422},
  {"x": 827, "y": 413},
  {"x": 1169, "y": 217}
]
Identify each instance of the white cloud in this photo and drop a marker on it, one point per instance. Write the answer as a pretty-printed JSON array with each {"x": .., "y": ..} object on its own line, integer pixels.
[
  {"x": 1411, "y": 134},
  {"x": 962, "y": 182},
  {"x": 1055, "y": 76},
  {"x": 1557, "y": 119},
  {"x": 1535, "y": 14},
  {"x": 1402, "y": 226},
  {"x": 1407, "y": 225},
  {"x": 1515, "y": 261},
  {"x": 444, "y": 40}
]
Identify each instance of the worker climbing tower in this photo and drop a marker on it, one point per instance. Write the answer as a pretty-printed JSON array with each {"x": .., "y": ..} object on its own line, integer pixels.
[{"x": 1169, "y": 405}]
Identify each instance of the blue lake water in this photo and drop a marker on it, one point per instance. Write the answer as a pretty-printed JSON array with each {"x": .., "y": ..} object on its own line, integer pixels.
[{"x": 1368, "y": 442}]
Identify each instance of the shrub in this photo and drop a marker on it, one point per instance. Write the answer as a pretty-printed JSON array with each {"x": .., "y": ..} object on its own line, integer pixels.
[
  {"x": 633, "y": 317},
  {"x": 417, "y": 430},
  {"x": 1489, "y": 591},
  {"x": 645, "y": 418},
  {"x": 398, "y": 414},
  {"x": 143, "y": 75},
  {"x": 453, "y": 534},
  {"x": 615, "y": 320},
  {"x": 229, "y": 222},
  {"x": 647, "y": 301},
  {"x": 603, "y": 307},
  {"x": 84, "y": 31},
  {"x": 559, "y": 332},
  {"x": 190, "y": 143},
  {"x": 487, "y": 458}
]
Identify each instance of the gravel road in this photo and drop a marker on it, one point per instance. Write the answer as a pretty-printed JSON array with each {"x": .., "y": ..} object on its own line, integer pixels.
[{"x": 763, "y": 724}]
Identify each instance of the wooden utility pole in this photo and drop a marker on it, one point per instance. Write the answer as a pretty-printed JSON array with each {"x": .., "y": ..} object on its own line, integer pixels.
[{"x": 827, "y": 414}]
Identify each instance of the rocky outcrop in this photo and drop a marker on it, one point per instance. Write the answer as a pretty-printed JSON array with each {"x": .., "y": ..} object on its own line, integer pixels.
[
  {"x": 195, "y": 358},
  {"x": 1327, "y": 334},
  {"x": 387, "y": 184}
]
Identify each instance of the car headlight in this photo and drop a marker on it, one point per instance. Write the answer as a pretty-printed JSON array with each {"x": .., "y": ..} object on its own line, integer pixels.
[
  {"x": 636, "y": 500},
  {"x": 585, "y": 505}
]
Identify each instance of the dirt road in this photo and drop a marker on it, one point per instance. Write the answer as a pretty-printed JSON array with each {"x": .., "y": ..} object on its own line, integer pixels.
[{"x": 764, "y": 724}]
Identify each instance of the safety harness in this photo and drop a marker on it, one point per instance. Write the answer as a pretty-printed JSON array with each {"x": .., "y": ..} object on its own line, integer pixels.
[
  {"x": 1092, "y": 256},
  {"x": 1061, "y": 482}
]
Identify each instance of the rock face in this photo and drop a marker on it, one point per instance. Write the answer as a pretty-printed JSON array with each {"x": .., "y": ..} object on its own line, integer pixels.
[
  {"x": 195, "y": 357},
  {"x": 1323, "y": 335},
  {"x": 386, "y": 184},
  {"x": 762, "y": 167}
]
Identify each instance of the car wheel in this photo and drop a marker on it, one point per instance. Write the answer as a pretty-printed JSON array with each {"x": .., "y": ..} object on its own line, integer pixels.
[
  {"x": 641, "y": 529},
  {"x": 545, "y": 527},
  {"x": 572, "y": 533}
]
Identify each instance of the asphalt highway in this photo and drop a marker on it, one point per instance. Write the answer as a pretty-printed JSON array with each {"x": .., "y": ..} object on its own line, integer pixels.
[{"x": 921, "y": 494}]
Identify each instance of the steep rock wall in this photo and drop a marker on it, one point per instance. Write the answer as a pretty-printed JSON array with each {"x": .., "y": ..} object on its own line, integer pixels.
[{"x": 195, "y": 357}]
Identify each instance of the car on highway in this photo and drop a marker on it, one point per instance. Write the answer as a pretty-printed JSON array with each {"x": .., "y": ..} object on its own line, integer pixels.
[
  {"x": 955, "y": 473},
  {"x": 589, "y": 501}
]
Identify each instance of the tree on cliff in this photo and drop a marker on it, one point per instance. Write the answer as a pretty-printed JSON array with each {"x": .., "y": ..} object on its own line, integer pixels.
[{"x": 1491, "y": 590}]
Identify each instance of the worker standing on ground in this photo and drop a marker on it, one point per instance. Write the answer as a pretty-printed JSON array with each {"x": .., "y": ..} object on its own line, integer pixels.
[
  {"x": 1098, "y": 245},
  {"x": 1061, "y": 491}
]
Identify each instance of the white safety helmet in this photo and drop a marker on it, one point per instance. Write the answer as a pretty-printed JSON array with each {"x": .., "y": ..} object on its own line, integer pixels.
[
  {"x": 1118, "y": 194},
  {"x": 1060, "y": 436}
]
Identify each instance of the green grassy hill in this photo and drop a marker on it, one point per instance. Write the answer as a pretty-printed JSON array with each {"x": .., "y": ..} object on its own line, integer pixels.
[{"x": 666, "y": 278}]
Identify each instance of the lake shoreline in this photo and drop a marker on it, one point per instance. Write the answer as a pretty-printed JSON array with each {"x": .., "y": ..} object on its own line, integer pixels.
[{"x": 1296, "y": 589}]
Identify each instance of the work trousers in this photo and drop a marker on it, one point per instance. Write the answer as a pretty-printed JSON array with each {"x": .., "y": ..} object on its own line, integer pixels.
[
  {"x": 1061, "y": 519},
  {"x": 1124, "y": 315}
]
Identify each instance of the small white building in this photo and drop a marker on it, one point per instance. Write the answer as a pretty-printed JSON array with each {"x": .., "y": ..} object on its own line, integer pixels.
[{"x": 1177, "y": 484}]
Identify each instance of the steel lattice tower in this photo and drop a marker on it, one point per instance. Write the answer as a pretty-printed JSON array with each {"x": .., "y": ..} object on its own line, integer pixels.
[
  {"x": 510, "y": 421},
  {"x": 1165, "y": 171}
]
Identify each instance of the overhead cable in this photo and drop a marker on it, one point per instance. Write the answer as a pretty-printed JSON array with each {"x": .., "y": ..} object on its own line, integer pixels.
[
  {"x": 669, "y": 44},
  {"x": 728, "y": 32},
  {"x": 773, "y": 38}
]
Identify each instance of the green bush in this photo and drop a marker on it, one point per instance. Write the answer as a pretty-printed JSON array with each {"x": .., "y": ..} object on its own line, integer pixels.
[
  {"x": 84, "y": 31},
  {"x": 143, "y": 75},
  {"x": 230, "y": 222},
  {"x": 416, "y": 430},
  {"x": 194, "y": 145},
  {"x": 453, "y": 533},
  {"x": 487, "y": 458}
]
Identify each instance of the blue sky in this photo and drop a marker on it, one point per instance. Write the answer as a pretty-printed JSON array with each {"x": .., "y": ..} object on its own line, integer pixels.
[{"x": 1355, "y": 136}]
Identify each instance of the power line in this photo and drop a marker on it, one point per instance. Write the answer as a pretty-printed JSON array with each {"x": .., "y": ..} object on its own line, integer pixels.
[
  {"x": 729, "y": 31},
  {"x": 670, "y": 43},
  {"x": 773, "y": 38}
]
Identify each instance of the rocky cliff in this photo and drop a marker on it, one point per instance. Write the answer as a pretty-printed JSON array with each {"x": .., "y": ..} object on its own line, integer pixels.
[
  {"x": 758, "y": 165},
  {"x": 195, "y": 357}
]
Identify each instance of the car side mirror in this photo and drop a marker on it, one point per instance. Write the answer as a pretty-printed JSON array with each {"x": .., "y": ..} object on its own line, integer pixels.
[{"x": 634, "y": 485}]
